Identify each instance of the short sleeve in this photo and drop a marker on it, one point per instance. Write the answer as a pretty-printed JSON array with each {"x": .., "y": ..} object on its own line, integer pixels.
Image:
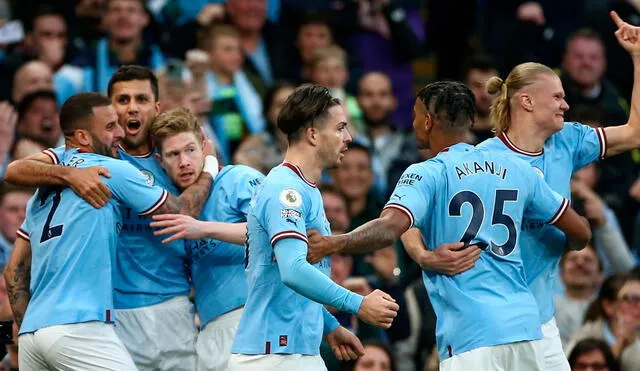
[
  {"x": 414, "y": 192},
  {"x": 133, "y": 189},
  {"x": 244, "y": 188},
  {"x": 24, "y": 231},
  {"x": 543, "y": 203},
  {"x": 589, "y": 144},
  {"x": 285, "y": 213},
  {"x": 55, "y": 154}
]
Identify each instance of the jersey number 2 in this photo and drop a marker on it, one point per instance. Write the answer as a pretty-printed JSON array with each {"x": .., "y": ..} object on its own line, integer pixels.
[
  {"x": 477, "y": 217},
  {"x": 49, "y": 232}
]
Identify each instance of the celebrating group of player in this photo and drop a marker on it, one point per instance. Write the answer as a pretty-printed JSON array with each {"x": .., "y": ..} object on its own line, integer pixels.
[{"x": 255, "y": 249}]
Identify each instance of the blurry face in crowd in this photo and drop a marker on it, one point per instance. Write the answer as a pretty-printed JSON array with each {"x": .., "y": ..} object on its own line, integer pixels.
[
  {"x": 125, "y": 19},
  {"x": 628, "y": 303},
  {"x": 588, "y": 175},
  {"x": 477, "y": 83},
  {"x": 330, "y": 72},
  {"x": 374, "y": 359},
  {"x": 30, "y": 77},
  {"x": 12, "y": 212},
  {"x": 581, "y": 269},
  {"x": 333, "y": 138},
  {"x": 592, "y": 361},
  {"x": 354, "y": 176},
  {"x": 336, "y": 211},
  {"x": 226, "y": 54},
  {"x": 312, "y": 37},
  {"x": 105, "y": 132},
  {"x": 182, "y": 158},
  {"x": 41, "y": 121},
  {"x": 136, "y": 107},
  {"x": 375, "y": 98},
  {"x": 247, "y": 15},
  {"x": 341, "y": 267},
  {"x": 548, "y": 99},
  {"x": 48, "y": 29},
  {"x": 276, "y": 104},
  {"x": 585, "y": 61}
]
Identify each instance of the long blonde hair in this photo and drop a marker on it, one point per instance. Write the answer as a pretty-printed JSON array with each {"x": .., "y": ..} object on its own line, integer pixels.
[{"x": 520, "y": 76}]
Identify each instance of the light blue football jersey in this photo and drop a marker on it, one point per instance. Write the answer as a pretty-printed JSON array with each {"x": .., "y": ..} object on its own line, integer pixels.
[
  {"x": 566, "y": 151},
  {"x": 73, "y": 244},
  {"x": 147, "y": 272},
  {"x": 468, "y": 195},
  {"x": 276, "y": 319},
  {"x": 217, "y": 267}
]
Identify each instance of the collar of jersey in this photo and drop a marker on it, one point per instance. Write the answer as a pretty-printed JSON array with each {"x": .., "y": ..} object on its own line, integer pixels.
[
  {"x": 458, "y": 147},
  {"x": 298, "y": 172},
  {"x": 137, "y": 156},
  {"x": 507, "y": 142}
]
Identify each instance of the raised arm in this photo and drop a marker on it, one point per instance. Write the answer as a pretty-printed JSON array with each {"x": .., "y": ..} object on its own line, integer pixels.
[
  {"x": 43, "y": 169},
  {"x": 17, "y": 275},
  {"x": 625, "y": 137}
]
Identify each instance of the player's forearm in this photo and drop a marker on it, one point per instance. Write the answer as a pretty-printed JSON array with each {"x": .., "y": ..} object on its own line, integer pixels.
[
  {"x": 300, "y": 276},
  {"x": 192, "y": 199},
  {"x": 17, "y": 276},
  {"x": 622, "y": 138},
  {"x": 34, "y": 173},
  {"x": 371, "y": 236},
  {"x": 413, "y": 245},
  {"x": 330, "y": 322},
  {"x": 235, "y": 233}
]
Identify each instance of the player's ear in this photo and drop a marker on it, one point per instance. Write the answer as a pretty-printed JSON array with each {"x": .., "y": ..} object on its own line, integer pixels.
[
  {"x": 312, "y": 135},
  {"x": 429, "y": 122},
  {"x": 526, "y": 101},
  {"x": 82, "y": 137},
  {"x": 159, "y": 159}
]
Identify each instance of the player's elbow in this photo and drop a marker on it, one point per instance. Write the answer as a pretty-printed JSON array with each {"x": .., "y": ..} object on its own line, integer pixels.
[
  {"x": 581, "y": 238},
  {"x": 11, "y": 173}
]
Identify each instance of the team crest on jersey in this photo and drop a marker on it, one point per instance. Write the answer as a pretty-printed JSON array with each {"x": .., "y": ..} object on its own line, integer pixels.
[
  {"x": 290, "y": 198},
  {"x": 539, "y": 171},
  {"x": 150, "y": 180}
]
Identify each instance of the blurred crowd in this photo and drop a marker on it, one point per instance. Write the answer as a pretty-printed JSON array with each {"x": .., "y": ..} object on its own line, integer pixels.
[{"x": 233, "y": 63}]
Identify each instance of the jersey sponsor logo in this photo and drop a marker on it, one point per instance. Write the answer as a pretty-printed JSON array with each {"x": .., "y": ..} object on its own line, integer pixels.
[
  {"x": 409, "y": 179},
  {"x": 255, "y": 182},
  {"x": 290, "y": 198},
  {"x": 290, "y": 216},
  {"x": 148, "y": 176}
]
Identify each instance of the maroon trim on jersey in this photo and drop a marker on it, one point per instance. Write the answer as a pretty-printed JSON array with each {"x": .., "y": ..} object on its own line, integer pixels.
[
  {"x": 298, "y": 172},
  {"x": 507, "y": 142},
  {"x": 563, "y": 207},
  {"x": 22, "y": 234},
  {"x": 402, "y": 208},
  {"x": 49, "y": 152},
  {"x": 288, "y": 234},
  {"x": 163, "y": 198}
]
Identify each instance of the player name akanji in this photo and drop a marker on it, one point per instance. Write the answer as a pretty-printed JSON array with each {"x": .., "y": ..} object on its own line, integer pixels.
[{"x": 474, "y": 168}]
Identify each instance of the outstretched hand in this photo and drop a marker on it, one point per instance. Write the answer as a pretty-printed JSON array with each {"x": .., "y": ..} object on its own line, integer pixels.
[{"x": 628, "y": 36}]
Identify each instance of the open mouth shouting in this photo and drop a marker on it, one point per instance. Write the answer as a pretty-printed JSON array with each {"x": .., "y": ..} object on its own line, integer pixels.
[{"x": 133, "y": 127}]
